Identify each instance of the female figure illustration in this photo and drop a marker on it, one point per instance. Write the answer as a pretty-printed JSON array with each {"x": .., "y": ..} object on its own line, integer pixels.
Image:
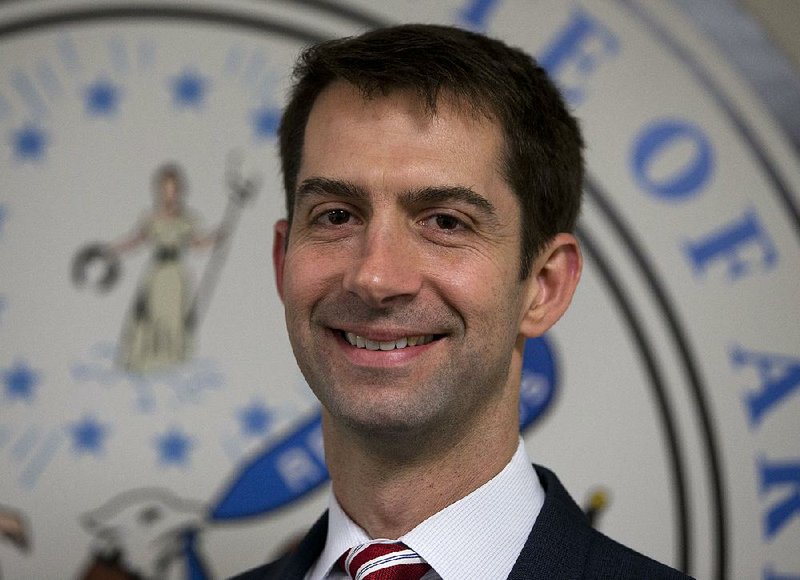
[{"x": 158, "y": 329}]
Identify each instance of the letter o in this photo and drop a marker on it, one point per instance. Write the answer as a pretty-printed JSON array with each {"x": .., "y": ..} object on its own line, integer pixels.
[{"x": 654, "y": 141}]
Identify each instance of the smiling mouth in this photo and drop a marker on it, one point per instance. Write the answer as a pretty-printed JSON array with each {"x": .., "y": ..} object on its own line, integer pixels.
[{"x": 403, "y": 342}]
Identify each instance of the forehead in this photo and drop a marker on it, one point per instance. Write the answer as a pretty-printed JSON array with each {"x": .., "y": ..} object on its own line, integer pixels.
[{"x": 394, "y": 141}]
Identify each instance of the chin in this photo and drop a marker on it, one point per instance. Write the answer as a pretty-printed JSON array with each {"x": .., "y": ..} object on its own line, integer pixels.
[
  {"x": 390, "y": 429},
  {"x": 381, "y": 418}
]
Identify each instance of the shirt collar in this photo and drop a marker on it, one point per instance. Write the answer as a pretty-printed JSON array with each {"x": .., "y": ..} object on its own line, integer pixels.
[
  {"x": 343, "y": 534},
  {"x": 494, "y": 519}
]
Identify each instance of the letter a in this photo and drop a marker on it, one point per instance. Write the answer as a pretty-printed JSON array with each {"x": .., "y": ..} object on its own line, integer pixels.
[{"x": 779, "y": 376}]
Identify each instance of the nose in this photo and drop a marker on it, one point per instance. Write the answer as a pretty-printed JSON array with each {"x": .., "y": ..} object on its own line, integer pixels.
[{"x": 386, "y": 270}]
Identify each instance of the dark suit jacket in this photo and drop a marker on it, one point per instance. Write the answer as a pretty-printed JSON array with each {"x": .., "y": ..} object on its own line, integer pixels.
[{"x": 561, "y": 546}]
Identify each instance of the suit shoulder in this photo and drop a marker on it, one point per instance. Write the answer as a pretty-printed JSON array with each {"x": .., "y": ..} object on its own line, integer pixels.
[
  {"x": 264, "y": 572},
  {"x": 610, "y": 559}
]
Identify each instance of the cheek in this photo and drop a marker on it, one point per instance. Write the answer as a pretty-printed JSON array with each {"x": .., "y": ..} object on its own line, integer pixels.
[
  {"x": 476, "y": 277},
  {"x": 483, "y": 292},
  {"x": 306, "y": 277}
]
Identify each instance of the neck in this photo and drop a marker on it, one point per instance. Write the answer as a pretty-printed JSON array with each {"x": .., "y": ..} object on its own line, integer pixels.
[{"x": 388, "y": 489}]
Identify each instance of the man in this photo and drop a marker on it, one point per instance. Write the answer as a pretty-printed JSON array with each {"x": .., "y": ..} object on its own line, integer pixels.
[{"x": 433, "y": 179}]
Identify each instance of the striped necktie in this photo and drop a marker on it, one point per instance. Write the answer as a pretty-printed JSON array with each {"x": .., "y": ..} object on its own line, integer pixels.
[{"x": 383, "y": 560}]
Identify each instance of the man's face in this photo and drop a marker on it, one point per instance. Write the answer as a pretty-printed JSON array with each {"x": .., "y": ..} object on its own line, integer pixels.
[{"x": 400, "y": 275}]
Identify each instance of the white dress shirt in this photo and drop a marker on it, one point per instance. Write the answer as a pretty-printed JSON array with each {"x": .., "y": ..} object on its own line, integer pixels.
[{"x": 479, "y": 536}]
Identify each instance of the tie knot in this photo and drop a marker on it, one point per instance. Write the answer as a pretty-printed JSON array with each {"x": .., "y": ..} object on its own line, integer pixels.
[{"x": 383, "y": 560}]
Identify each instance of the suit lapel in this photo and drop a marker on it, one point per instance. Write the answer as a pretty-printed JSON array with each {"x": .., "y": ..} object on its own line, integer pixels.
[
  {"x": 559, "y": 542},
  {"x": 295, "y": 565}
]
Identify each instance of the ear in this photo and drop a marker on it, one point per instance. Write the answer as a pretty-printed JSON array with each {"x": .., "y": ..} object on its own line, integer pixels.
[
  {"x": 279, "y": 241},
  {"x": 553, "y": 279}
]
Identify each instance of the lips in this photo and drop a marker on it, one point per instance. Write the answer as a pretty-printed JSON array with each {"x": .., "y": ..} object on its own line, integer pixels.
[{"x": 359, "y": 341}]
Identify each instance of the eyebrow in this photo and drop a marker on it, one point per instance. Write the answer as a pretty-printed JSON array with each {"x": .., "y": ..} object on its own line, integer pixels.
[
  {"x": 460, "y": 193},
  {"x": 424, "y": 195},
  {"x": 323, "y": 186}
]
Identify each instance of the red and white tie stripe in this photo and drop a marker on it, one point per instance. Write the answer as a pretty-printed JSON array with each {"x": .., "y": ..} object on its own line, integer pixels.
[{"x": 383, "y": 560}]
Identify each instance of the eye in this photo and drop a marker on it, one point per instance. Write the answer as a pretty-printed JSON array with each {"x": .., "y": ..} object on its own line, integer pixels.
[
  {"x": 447, "y": 222},
  {"x": 336, "y": 217}
]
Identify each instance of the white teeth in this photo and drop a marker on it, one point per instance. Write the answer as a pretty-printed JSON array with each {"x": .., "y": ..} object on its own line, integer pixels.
[{"x": 361, "y": 342}]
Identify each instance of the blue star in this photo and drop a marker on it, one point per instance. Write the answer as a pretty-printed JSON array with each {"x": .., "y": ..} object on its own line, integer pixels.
[
  {"x": 102, "y": 98},
  {"x": 29, "y": 143},
  {"x": 255, "y": 419},
  {"x": 88, "y": 436},
  {"x": 174, "y": 447},
  {"x": 265, "y": 122},
  {"x": 20, "y": 381},
  {"x": 188, "y": 89}
]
